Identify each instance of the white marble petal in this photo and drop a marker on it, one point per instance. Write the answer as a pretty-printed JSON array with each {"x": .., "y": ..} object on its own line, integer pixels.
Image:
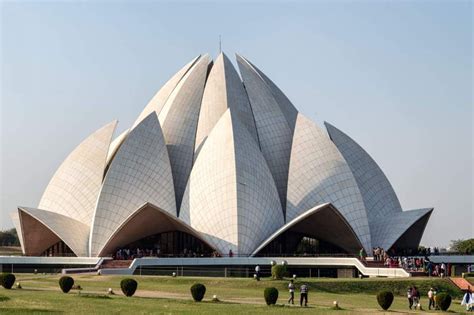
[{"x": 74, "y": 188}]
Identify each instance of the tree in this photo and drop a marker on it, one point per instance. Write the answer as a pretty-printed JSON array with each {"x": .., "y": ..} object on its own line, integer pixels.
[
  {"x": 463, "y": 246},
  {"x": 9, "y": 238}
]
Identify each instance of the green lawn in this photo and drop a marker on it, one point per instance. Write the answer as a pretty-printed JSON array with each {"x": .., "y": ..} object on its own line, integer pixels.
[{"x": 167, "y": 295}]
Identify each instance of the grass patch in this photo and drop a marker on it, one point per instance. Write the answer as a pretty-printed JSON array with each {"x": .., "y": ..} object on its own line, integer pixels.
[
  {"x": 167, "y": 295},
  {"x": 4, "y": 298},
  {"x": 94, "y": 296}
]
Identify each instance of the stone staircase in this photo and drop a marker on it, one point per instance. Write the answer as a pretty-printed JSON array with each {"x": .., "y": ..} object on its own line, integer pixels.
[
  {"x": 114, "y": 264},
  {"x": 461, "y": 283}
]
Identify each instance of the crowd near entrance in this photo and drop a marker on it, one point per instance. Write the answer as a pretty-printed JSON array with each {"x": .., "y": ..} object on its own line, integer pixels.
[
  {"x": 297, "y": 244},
  {"x": 168, "y": 244}
]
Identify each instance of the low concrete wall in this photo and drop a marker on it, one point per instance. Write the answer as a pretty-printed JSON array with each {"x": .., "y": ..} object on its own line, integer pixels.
[{"x": 329, "y": 262}]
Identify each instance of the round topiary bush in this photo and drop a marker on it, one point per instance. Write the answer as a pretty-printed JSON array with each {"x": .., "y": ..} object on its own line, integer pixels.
[
  {"x": 128, "y": 286},
  {"x": 443, "y": 300},
  {"x": 7, "y": 280},
  {"x": 66, "y": 283},
  {"x": 270, "y": 295},
  {"x": 278, "y": 271},
  {"x": 385, "y": 299},
  {"x": 197, "y": 291}
]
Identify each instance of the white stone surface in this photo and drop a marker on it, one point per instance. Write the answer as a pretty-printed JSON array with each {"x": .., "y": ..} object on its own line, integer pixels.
[
  {"x": 179, "y": 118},
  {"x": 115, "y": 145},
  {"x": 223, "y": 90},
  {"x": 274, "y": 132},
  {"x": 72, "y": 232},
  {"x": 158, "y": 101},
  {"x": 254, "y": 163},
  {"x": 289, "y": 111},
  {"x": 231, "y": 197},
  {"x": 379, "y": 197},
  {"x": 319, "y": 174},
  {"x": 139, "y": 173},
  {"x": 74, "y": 188},
  {"x": 388, "y": 229}
]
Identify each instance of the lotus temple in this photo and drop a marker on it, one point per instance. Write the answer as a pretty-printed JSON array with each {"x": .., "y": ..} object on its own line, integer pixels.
[{"x": 218, "y": 163}]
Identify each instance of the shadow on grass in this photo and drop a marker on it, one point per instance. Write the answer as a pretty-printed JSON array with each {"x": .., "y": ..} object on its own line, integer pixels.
[
  {"x": 28, "y": 311},
  {"x": 94, "y": 296}
]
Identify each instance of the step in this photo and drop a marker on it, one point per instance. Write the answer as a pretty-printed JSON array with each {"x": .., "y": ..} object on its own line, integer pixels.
[{"x": 461, "y": 283}]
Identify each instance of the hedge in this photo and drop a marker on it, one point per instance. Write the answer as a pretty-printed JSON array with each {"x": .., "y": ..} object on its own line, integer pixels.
[
  {"x": 443, "y": 300},
  {"x": 278, "y": 271},
  {"x": 7, "y": 280},
  {"x": 270, "y": 295},
  {"x": 66, "y": 283},
  {"x": 128, "y": 286},
  {"x": 385, "y": 299},
  {"x": 197, "y": 291}
]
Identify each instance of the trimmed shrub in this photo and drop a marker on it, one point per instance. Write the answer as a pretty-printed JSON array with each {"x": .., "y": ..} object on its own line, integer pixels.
[
  {"x": 270, "y": 295},
  {"x": 128, "y": 286},
  {"x": 278, "y": 271},
  {"x": 443, "y": 300},
  {"x": 66, "y": 283},
  {"x": 197, "y": 291},
  {"x": 385, "y": 299},
  {"x": 7, "y": 280}
]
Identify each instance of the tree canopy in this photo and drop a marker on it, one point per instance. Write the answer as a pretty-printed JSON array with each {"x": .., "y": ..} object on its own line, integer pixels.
[
  {"x": 463, "y": 246},
  {"x": 9, "y": 238}
]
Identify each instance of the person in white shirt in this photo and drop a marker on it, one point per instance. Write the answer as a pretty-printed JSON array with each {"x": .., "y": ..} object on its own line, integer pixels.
[
  {"x": 291, "y": 288},
  {"x": 257, "y": 272},
  {"x": 431, "y": 298}
]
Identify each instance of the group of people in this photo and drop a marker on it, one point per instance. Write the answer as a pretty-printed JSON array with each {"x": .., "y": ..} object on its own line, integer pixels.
[
  {"x": 127, "y": 253},
  {"x": 303, "y": 293},
  {"x": 414, "y": 298},
  {"x": 379, "y": 254}
]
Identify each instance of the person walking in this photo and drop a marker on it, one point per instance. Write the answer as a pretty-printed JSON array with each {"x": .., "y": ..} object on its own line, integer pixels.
[
  {"x": 468, "y": 299},
  {"x": 443, "y": 270},
  {"x": 431, "y": 299},
  {"x": 362, "y": 254},
  {"x": 291, "y": 288},
  {"x": 410, "y": 297},
  {"x": 416, "y": 298},
  {"x": 304, "y": 294},
  {"x": 257, "y": 272}
]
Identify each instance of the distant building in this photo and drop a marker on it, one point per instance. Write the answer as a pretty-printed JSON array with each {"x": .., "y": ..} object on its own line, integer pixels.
[{"x": 216, "y": 164}]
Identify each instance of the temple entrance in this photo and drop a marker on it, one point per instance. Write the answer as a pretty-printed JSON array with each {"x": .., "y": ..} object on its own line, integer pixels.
[
  {"x": 59, "y": 249},
  {"x": 167, "y": 244},
  {"x": 298, "y": 244}
]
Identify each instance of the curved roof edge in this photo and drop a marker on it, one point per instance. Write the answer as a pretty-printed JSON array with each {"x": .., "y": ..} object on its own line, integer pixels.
[
  {"x": 15, "y": 217},
  {"x": 377, "y": 192},
  {"x": 147, "y": 220},
  {"x": 306, "y": 215},
  {"x": 114, "y": 146},
  {"x": 72, "y": 232},
  {"x": 392, "y": 229},
  {"x": 126, "y": 187},
  {"x": 73, "y": 189},
  {"x": 159, "y": 99}
]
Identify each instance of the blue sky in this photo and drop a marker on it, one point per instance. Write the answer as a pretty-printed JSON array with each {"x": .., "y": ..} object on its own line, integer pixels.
[{"x": 396, "y": 76}]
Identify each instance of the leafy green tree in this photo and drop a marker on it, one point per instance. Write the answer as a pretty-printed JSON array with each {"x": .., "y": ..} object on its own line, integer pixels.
[
  {"x": 463, "y": 246},
  {"x": 9, "y": 238}
]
